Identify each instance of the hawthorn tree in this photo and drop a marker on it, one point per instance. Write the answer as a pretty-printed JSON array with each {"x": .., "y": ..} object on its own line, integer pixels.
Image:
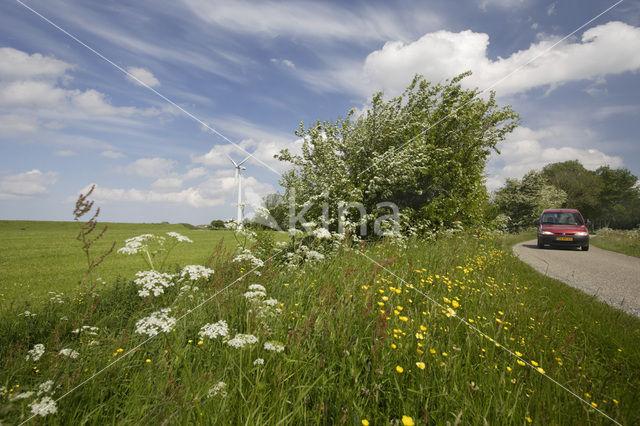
[{"x": 425, "y": 151}]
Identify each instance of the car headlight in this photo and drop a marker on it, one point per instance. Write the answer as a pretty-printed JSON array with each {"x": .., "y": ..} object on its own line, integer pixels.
[
  {"x": 546, "y": 233},
  {"x": 581, "y": 234}
]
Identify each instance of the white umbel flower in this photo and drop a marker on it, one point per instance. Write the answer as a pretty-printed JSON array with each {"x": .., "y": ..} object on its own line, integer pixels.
[
  {"x": 156, "y": 323},
  {"x": 69, "y": 352},
  {"x": 195, "y": 272},
  {"x": 152, "y": 282},
  {"x": 242, "y": 340},
  {"x": 181, "y": 238},
  {"x": 214, "y": 330},
  {"x": 219, "y": 388},
  {"x": 36, "y": 352},
  {"x": 44, "y": 407},
  {"x": 274, "y": 346}
]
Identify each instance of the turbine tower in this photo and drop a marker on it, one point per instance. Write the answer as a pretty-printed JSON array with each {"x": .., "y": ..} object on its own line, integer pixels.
[{"x": 239, "y": 170}]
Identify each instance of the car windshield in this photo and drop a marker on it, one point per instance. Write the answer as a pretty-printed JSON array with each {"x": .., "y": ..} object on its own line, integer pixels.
[{"x": 562, "y": 218}]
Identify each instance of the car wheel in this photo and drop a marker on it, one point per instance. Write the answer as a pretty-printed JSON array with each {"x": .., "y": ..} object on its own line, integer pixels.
[
  {"x": 540, "y": 244},
  {"x": 585, "y": 248}
]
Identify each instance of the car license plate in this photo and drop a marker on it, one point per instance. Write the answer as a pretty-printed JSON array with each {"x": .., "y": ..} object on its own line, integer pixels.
[{"x": 564, "y": 239}]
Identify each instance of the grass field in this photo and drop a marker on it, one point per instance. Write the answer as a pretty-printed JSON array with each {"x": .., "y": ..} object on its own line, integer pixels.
[
  {"x": 38, "y": 257},
  {"x": 625, "y": 242},
  {"x": 416, "y": 336}
]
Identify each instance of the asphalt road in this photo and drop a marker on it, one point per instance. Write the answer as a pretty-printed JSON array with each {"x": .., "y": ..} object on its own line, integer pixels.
[{"x": 612, "y": 277}]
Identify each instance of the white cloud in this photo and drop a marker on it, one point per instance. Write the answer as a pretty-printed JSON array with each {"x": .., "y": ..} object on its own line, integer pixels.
[
  {"x": 112, "y": 154},
  {"x": 603, "y": 50},
  {"x": 26, "y": 185},
  {"x": 285, "y": 62},
  {"x": 605, "y": 112},
  {"x": 143, "y": 75},
  {"x": 504, "y": 4},
  {"x": 191, "y": 196},
  {"x": 527, "y": 149},
  {"x": 175, "y": 181},
  {"x": 311, "y": 20},
  {"x": 64, "y": 153},
  {"x": 12, "y": 125},
  {"x": 18, "y": 65},
  {"x": 149, "y": 167},
  {"x": 551, "y": 9}
]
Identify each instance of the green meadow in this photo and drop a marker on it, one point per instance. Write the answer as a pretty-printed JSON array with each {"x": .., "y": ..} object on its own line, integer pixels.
[{"x": 451, "y": 330}]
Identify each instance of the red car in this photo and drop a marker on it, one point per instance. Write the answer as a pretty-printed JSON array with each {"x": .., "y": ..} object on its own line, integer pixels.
[{"x": 562, "y": 227}]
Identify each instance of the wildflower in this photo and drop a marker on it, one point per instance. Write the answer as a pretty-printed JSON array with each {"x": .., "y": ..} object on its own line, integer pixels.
[
  {"x": 313, "y": 255},
  {"x": 45, "y": 387},
  {"x": 365, "y": 422},
  {"x": 219, "y": 388},
  {"x": 540, "y": 370},
  {"x": 36, "y": 352},
  {"x": 454, "y": 303},
  {"x": 179, "y": 237},
  {"x": 155, "y": 323},
  {"x": 521, "y": 363},
  {"x": 69, "y": 352},
  {"x": 135, "y": 244},
  {"x": 242, "y": 340},
  {"x": 246, "y": 256},
  {"x": 407, "y": 421},
  {"x": 615, "y": 401},
  {"x": 399, "y": 369},
  {"x": 257, "y": 287},
  {"x": 254, "y": 294},
  {"x": 200, "y": 342},
  {"x": 403, "y": 318},
  {"x": 147, "y": 360},
  {"x": 23, "y": 395},
  {"x": 432, "y": 351},
  {"x": 594, "y": 404},
  {"x": 322, "y": 233},
  {"x": 518, "y": 353},
  {"x": 195, "y": 272},
  {"x": 423, "y": 328},
  {"x": 420, "y": 365},
  {"x": 152, "y": 282},
  {"x": 86, "y": 329},
  {"x": 45, "y": 406},
  {"x": 214, "y": 330},
  {"x": 258, "y": 361},
  {"x": 528, "y": 419},
  {"x": 273, "y": 346},
  {"x": 508, "y": 368}
]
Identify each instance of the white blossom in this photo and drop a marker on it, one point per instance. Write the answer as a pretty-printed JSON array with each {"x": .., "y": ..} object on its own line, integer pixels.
[
  {"x": 219, "y": 388},
  {"x": 155, "y": 323},
  {"x": 256, "y": 287},
  {"x": 36, "y": 352},
  {"x": 28, "y": 314},
  {"x": 273, "y": 346},
  {"x": 214, "y": 330},
  {"x": 270, "y": 302},
  {"x": 23, "y": 395},
  {"x": 246, "y": 256},
  {"x": 295, "y": 232},
  {"x": 242, "y": 340},
  {"x": 45, "y": 387},
  {"x": 181, "y": 238},
  {"x": 314, "y": 255},
  {"x": 135, "y": 244},
  {"x": 69, "y": 352},
  {"x": 44, "y": 407},
  {"x": 254, "y": 294},
  {"x": 195, "y": 272},
  {"x": 258, "y": 361},
  {"x": 87, "y": 329},
  {"x": 152, "y": 282},
  {"x": 322, "y": 234}
]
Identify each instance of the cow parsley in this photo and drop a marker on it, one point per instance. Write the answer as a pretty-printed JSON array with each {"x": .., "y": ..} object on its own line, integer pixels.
[
  {"x": 242, "y": 340},
  {"x": 254, "y": 294},
  {"x": 219, "y": 388},
  {"x": 153, "y": 282},
  {"x": 181, "y": 238},
  {"x": 36, "y": 352},
  {"x": 155, "y": 323},
  {"x": 322, "y": 234},
  {"x": 246, "y": 256},
  {"x": 135, "y": 244},
  {"x": 69, "y": 352},
  {"x": 258, "y": 361},
  {"x": 45, "y": 387},
  {"x": 273, "y": 346},
  {"x": 214, "y": 330},
  {"x": 195, "y": 272},
  {"x": 44, "y": 407}
]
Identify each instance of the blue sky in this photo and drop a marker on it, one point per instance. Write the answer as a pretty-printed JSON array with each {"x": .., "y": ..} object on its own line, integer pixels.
[{"x": 252, "y": 71}]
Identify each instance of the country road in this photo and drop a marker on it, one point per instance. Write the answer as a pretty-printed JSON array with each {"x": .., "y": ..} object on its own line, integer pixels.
[{"x": 612, "y": 277}]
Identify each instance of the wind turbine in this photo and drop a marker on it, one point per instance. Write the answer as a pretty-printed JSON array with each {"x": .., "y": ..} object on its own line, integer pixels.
[{"x": 239, "y": 170}]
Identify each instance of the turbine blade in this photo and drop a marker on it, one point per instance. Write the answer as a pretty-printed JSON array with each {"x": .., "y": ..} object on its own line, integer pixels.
[
  {"x": 240, "y": 163},
  {"x": 234, "y": 163}
]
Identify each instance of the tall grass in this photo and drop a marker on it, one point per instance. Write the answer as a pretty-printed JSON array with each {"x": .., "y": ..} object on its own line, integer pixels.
[
  {"x": 625, "y": 242},
  {"x": 361, "y": 343}
]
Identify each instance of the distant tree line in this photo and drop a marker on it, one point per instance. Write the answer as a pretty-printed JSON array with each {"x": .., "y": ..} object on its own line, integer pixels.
[{"x": 608, "y": 197}]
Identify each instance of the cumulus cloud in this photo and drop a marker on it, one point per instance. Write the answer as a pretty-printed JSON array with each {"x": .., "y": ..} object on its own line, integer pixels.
[
  {"x": 149, "y": 167},
  {"x": 30, "y": 184},
  {"x": 527, "y": 149},
  {"x": 19, "y": 65},
  {"x": 603, "y": 50},
  {"x": 142, "y": 75}
]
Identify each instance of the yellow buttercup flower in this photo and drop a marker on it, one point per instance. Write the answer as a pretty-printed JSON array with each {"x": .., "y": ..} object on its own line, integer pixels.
[
  {"x": 421, "y": 365},
  {"x": 399, "y": 369},
  {"x": 407, "y": 421},
  {"x": 365, "y": 422}
]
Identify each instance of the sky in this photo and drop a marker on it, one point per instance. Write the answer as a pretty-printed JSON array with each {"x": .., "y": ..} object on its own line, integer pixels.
[{"x": 146, "y": 99}]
